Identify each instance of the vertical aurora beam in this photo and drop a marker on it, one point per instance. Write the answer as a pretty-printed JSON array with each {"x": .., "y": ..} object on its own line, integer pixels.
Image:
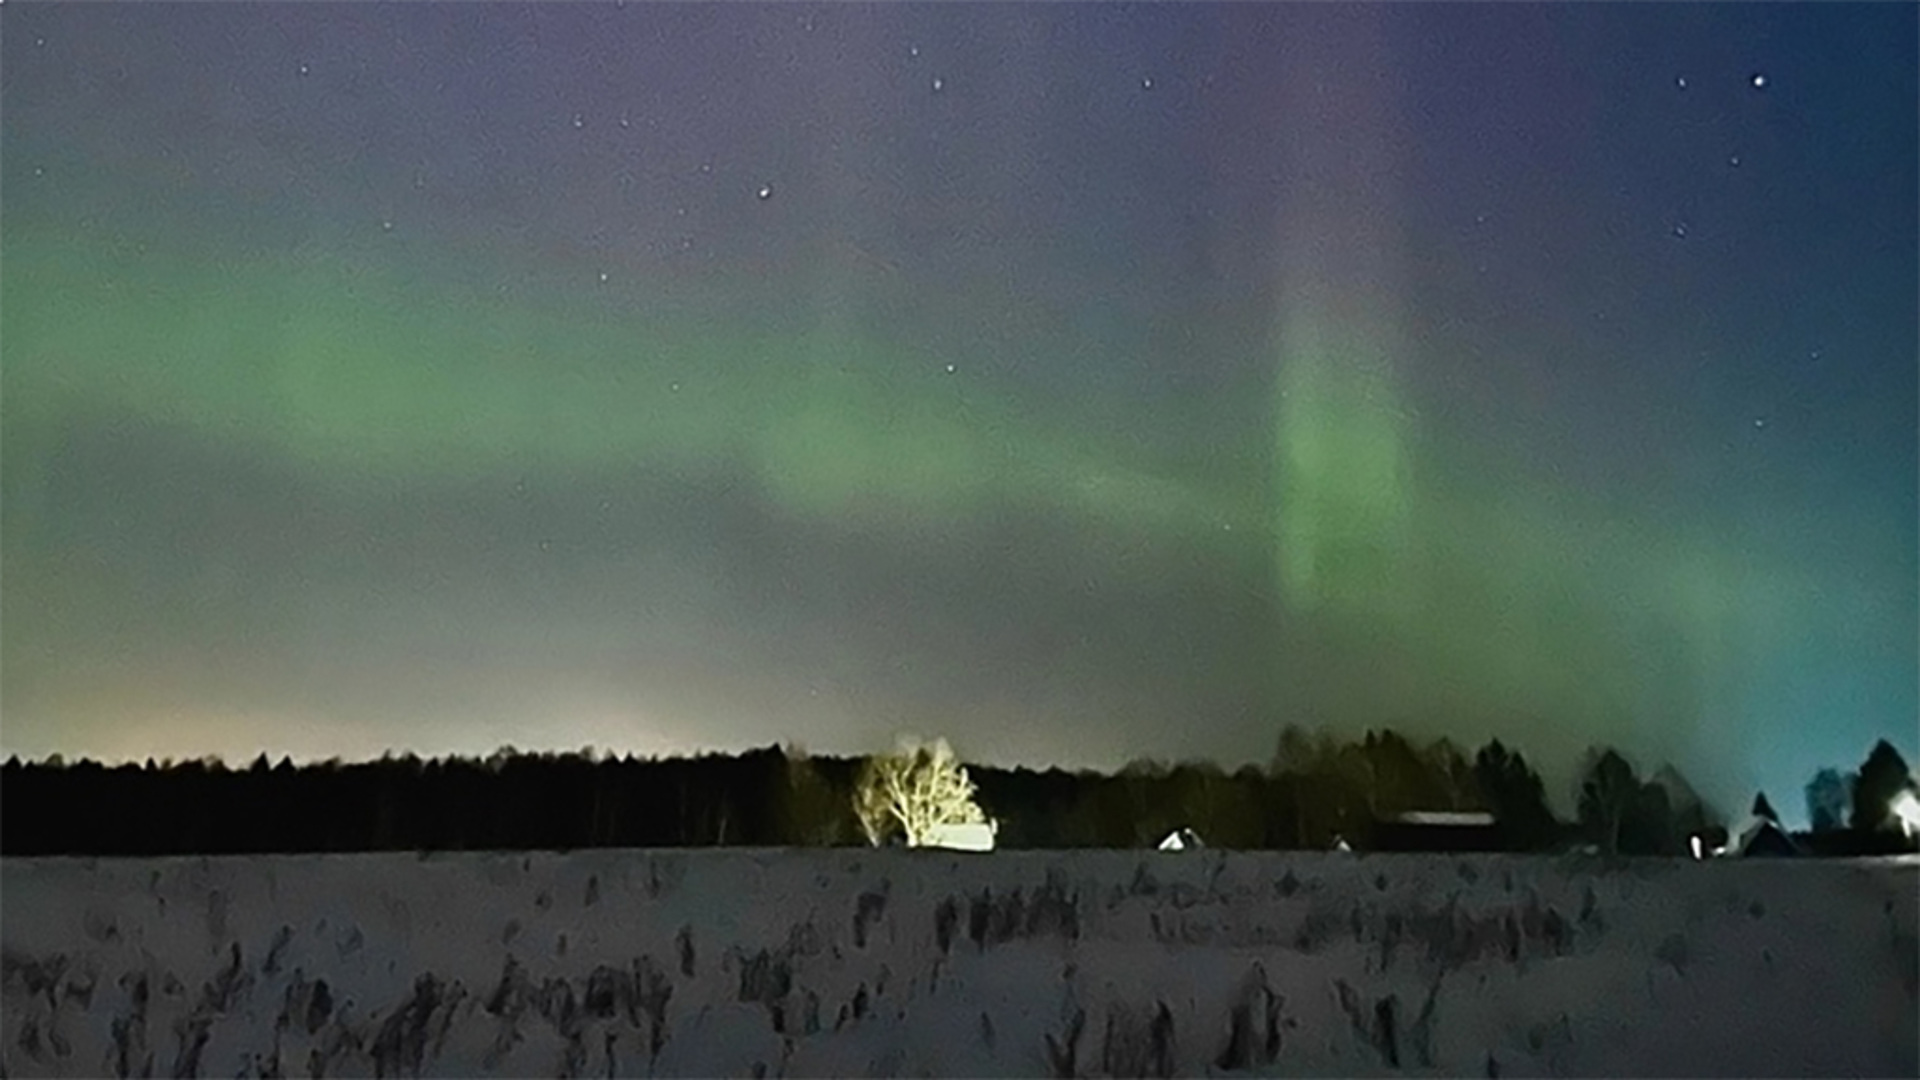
[
  {"x": 1340, "y": 471},
  {"x": 1342, "y": 503}
]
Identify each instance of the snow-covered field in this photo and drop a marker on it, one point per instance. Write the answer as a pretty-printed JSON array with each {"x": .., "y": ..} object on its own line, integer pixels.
[{"x": 867, "y": 963}]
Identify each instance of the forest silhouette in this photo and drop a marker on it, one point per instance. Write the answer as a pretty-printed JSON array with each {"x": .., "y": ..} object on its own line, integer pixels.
[{"x": 1317, "y": 793}]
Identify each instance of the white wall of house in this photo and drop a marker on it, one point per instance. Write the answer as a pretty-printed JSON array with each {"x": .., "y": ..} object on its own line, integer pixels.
[{"x": 973, "y": 836}]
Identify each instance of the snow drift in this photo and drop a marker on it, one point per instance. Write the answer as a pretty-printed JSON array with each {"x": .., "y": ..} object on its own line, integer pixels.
[{"x": 901, "y": 962}]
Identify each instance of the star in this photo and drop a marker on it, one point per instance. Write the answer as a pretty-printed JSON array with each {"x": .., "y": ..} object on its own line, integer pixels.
[
  {"x": 1759, "y": 80},
  {"x": 938, "y": 84},
  {"x": 766, "y": 191}
]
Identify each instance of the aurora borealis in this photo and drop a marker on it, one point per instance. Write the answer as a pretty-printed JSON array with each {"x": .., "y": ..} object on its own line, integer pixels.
[{"x": 1080, "y": 382}]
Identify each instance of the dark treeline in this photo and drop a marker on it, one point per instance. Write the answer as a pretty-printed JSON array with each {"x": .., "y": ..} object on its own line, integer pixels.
[{"x": 1316, "y": 792}]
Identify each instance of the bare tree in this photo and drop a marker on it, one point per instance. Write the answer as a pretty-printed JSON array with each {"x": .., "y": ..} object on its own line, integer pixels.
[
  {"x": 916, "y": 788},
  {"x": 870, "y": 804},
  {"x": 1607, "y": 795},
  {"x": 1829, "y": 795},
  {"x": 809, "y": 811},
  {"x": 1451, "y": 769}
]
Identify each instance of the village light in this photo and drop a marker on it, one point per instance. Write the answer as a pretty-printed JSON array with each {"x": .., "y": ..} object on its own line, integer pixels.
[{"x": 1907, "y": 809}]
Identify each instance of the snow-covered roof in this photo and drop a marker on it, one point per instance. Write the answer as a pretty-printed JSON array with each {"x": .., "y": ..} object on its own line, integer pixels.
[
  {"x": 1458, "y": 818},
  {"x": 1180, "y": 840},
  {"x": 1762, "y": 830}
]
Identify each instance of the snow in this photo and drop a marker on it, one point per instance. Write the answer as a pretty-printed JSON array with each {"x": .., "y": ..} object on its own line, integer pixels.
[
  {"x": 920, "y": 962},
  {"x": 1475, "y": 818}
]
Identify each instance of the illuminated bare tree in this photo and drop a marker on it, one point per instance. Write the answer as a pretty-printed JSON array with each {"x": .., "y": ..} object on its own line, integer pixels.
[{"x": 915, "y": 789}]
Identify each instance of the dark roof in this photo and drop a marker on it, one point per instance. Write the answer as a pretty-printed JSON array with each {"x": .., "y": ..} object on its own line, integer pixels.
[
  {"x": 1765, "y": 837},
  {"x": 1424, "y": 836}
]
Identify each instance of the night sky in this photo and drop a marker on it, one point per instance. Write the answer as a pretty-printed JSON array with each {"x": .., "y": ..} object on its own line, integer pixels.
[{"x": 1080, "y": 382}]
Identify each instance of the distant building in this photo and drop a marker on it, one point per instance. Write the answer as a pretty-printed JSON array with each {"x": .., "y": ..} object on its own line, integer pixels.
[
  {"x": 1762, "y": 837},
  {"x": 972, "y": 836},
  {"x": 1438, "y": 830},
  {"x": 1181, "y": 840}
]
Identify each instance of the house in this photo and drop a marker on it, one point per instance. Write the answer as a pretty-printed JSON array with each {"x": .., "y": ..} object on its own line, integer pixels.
[
  {"x": 970, "y": 836},
  {"x": 1181, "y": 840},
  {"x": 1762, "y": 836},
  {"x": 1437, "y": 830}
]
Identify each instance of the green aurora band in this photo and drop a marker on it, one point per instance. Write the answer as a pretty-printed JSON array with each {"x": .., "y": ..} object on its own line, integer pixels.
[{"x": 1483, "y": 591}]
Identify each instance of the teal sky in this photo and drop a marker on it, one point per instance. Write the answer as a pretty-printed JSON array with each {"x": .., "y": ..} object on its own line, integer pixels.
[{"x": 1079, "y": 382}]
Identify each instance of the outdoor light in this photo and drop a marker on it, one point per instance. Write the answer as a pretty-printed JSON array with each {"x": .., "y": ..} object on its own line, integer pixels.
[
  {"x": 1907, "y": 809},
  {"x": 1694, "y": 840}
]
